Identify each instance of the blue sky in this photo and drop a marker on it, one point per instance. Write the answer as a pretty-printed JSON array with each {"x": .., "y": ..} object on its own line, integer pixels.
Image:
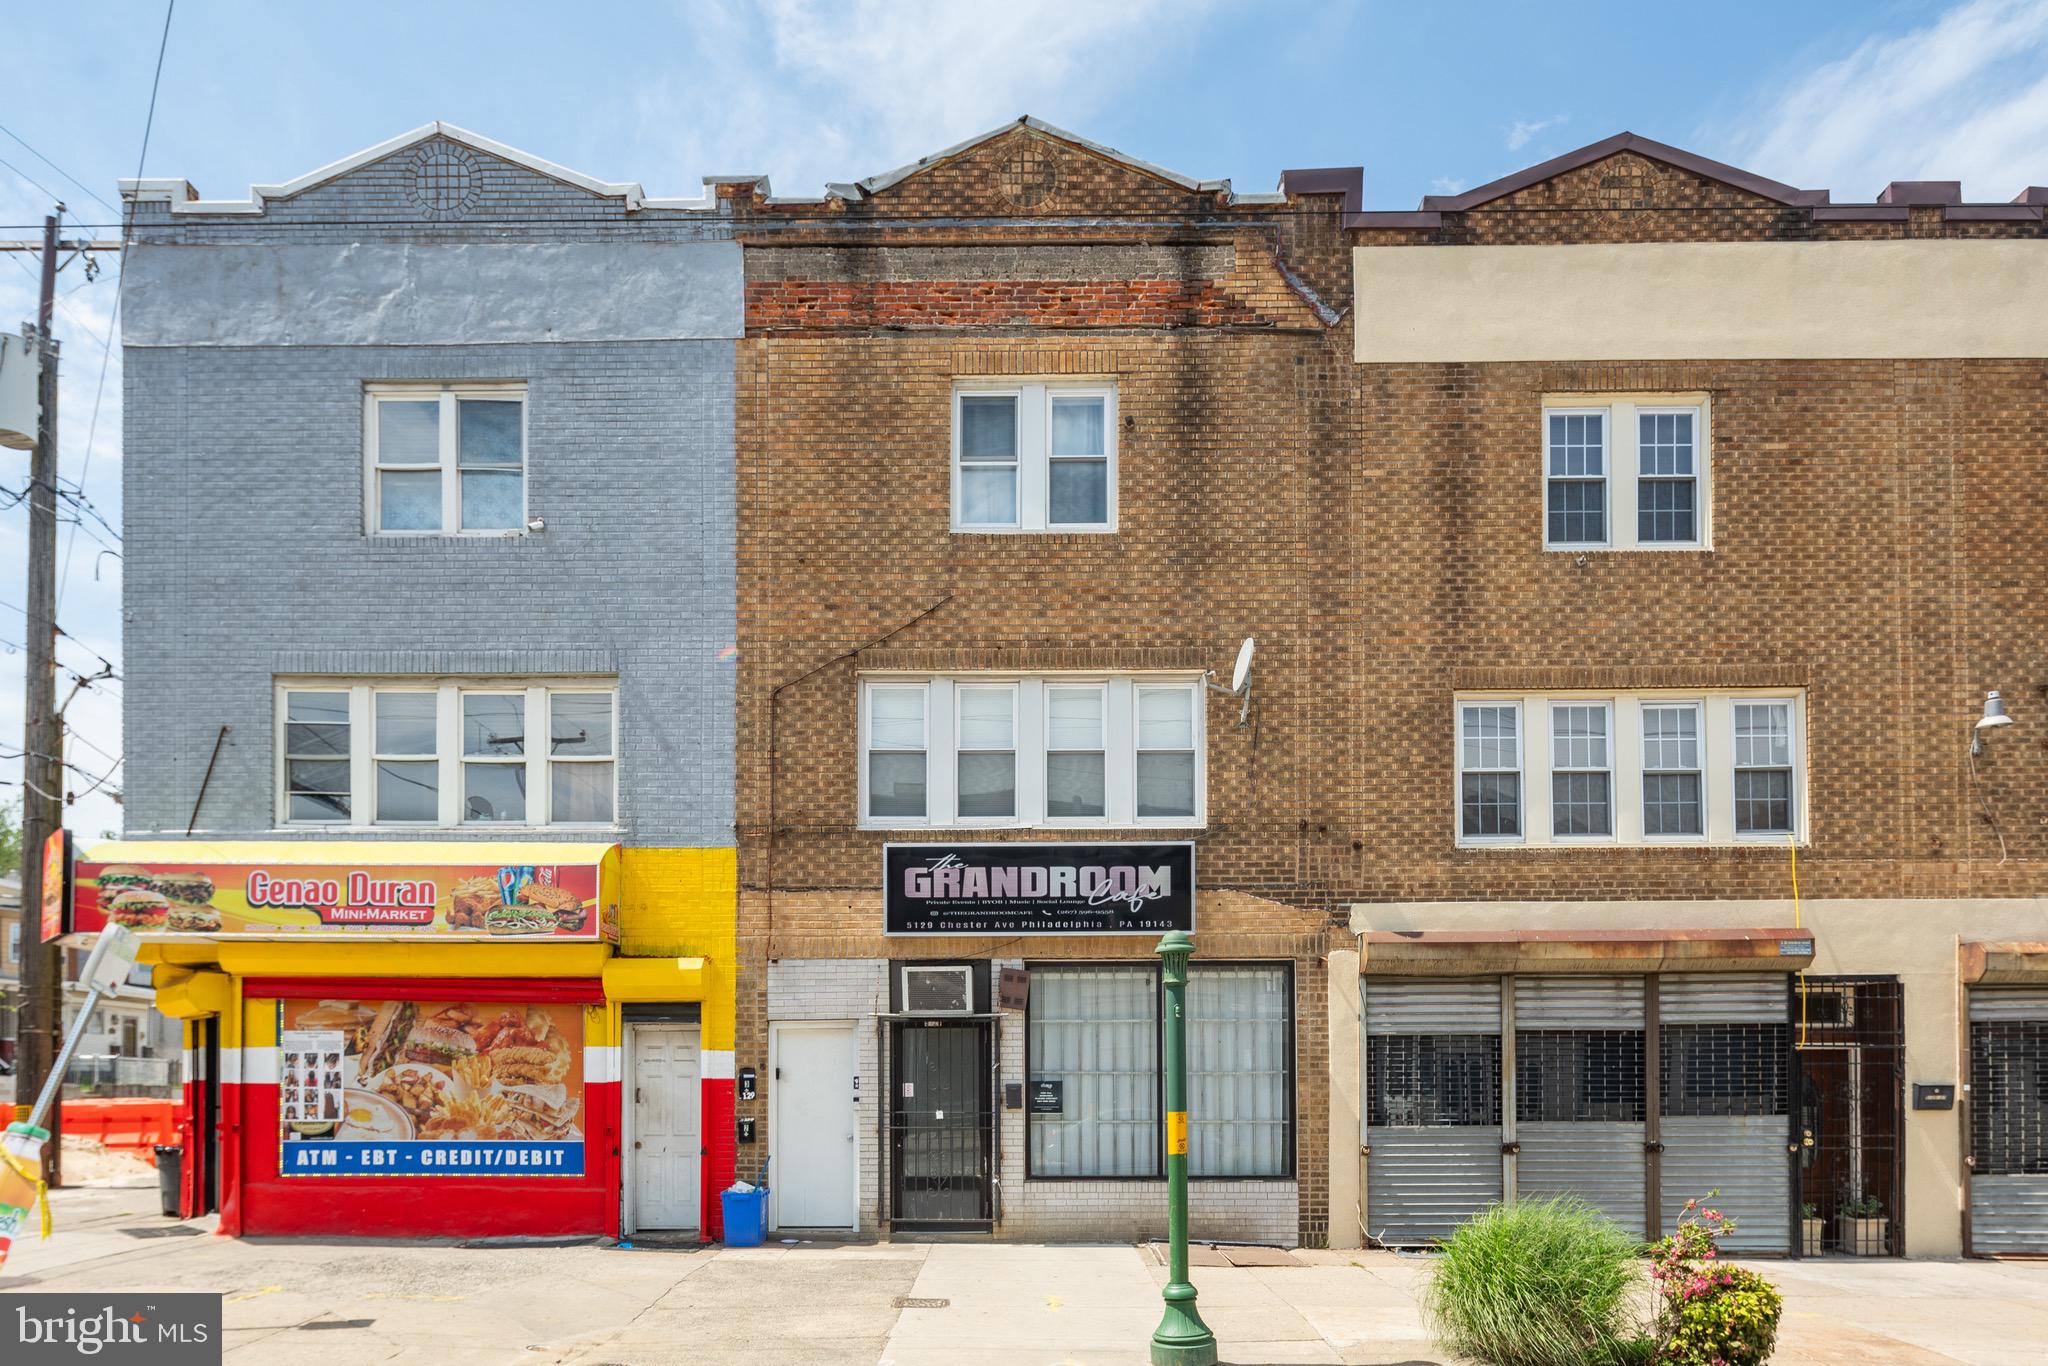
[{"x": 1427, "y": 98}]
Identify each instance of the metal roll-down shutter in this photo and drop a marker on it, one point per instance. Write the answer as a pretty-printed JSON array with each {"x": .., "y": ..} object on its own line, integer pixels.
[
  {"x": 1579, "y": 1092},
  {"x": 1433, "y": 1118},
  {"x": 1723, "y": 1063},
  {"x": 2008, "y": 1120}
]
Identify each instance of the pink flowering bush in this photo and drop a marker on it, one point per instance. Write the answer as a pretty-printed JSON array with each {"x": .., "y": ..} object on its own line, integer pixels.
[{"x": 1709, "y": 1313}]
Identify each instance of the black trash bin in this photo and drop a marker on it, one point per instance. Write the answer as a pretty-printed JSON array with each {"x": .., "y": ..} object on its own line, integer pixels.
[{"x": 170, "y": 1172}]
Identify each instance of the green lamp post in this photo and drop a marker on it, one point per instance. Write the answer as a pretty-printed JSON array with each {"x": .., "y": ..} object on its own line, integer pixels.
[{"x": 1181, "y": 1339}]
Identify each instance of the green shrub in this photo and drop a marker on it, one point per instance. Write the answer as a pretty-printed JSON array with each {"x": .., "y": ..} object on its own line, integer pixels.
[
  {"x": 1710, "y": 1314},
  {"x": 1537, "y": 1283},
  {"x": 1733, "y": 1321}
]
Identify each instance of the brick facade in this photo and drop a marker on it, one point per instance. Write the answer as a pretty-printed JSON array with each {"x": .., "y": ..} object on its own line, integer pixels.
[{"x": 856, "y": 335}]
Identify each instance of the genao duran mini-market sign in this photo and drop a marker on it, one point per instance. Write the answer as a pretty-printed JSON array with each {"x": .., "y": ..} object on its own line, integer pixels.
[
  {"x": 549, "y": 893},
  {"x": 1017, "y": 888}
]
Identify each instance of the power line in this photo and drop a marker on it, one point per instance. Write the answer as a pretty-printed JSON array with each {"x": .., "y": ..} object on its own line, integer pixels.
[
  {"x": 60, "y": 171},
  {"x": 99, "y": 392},
  {"x": 50, "y": 193}
]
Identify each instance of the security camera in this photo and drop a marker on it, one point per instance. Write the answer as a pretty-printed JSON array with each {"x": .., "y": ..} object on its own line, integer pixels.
[{"x": 536, "y": 524}]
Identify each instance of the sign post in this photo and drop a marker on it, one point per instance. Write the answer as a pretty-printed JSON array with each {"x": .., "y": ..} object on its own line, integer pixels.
[{"x": 1181, "y": 1339}]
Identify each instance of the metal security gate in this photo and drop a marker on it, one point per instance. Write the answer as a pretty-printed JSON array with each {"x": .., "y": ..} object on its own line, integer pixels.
[
  {"x": 940, "y": 1123},
  {"x": 2008, "y": 1109},
  {"x": 1724, "y": 1115},
  {"x": 1849, "y": 1038},
  {"x": 1433, "y": 1105},
  {"x": 1579, "y": 1094}
]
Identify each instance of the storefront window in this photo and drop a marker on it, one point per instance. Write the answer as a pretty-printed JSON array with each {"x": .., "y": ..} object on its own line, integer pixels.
[
  {"x": 1239, "y": 1050},
  {"x": 1094, "y": 1060}
]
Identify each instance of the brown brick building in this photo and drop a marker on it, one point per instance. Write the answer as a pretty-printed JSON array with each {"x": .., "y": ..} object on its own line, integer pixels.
[{"x": 1661, "y": 523}]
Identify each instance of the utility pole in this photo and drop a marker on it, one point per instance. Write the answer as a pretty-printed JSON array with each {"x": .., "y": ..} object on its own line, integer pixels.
[{"x": 42, "y": 807}]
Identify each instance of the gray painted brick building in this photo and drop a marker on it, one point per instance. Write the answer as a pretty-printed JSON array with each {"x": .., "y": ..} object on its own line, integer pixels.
[{"x": 254, "y": 334}]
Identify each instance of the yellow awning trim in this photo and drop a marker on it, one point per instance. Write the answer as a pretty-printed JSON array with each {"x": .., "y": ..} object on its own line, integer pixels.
[
  {"x": 326, "y": 958},
  {"x": 654, "y": 979}
]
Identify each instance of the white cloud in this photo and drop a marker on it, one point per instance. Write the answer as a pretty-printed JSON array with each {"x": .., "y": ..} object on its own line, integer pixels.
[
  {"x": 842, "y": 91},
  {"x": 1962, "y": 98},
  {"x": 1524, "y": 131},
  {"x": 1445, "y": 184}
]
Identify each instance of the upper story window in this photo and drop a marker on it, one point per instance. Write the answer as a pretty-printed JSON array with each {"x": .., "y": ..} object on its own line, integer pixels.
[
  {"x": 1004, "y": 750},
  {"x": 447, "y": 754},
  {"x": 445, "y": 460},
  {"x": 1034, "y": 457},
  {"x": 1632, "y": 768},
  {"x": 1625, "y": 473}
]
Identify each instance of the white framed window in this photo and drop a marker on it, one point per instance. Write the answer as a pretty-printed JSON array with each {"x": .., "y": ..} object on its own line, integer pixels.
[
  {"x": 985, "y": 752},
  {"x": 937, "y": 989},
  {"x": 1581, "y": 771},
  {"x": 403, "y": 742},
  {"x": 1166, "y": 752},
  {"x": 1490, "y": 771},
  {"x": 1034, "y": 456},
  {"x": 1076, "y": 752},
  {"x": 1031, "y": 750},
  {"x": 314, "y": 753},
  {"x": 1575, "y": 490},
  {"x": 897, "y": 752},
  {"x": 1674, "y": 789},
  {"x": 1626, "y": 472},
  {"x": 445, "y": 460},
  {"x": 447, "y": 753},
  {"x": 1764, "y": 772},
  {"x": 1719, "y": 767}
]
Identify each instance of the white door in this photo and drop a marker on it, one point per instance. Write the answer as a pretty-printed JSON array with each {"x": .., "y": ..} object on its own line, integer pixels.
[
  {"x": 667, "y": 1150},
  {"x": 813, "y": 1135}
]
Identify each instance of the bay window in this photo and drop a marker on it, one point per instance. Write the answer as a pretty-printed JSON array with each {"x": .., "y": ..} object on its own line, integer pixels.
[
  {"x": 1031, "y": 750},
  {"x": 447, "y": 753}
]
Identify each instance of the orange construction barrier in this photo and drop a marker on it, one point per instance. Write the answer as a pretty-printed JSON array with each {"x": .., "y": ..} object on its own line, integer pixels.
[{"x": 127, "y": 1122}]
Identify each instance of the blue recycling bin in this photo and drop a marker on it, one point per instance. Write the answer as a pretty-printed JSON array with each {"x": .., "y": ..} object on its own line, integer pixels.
[{"x": 746, "y": 1217}]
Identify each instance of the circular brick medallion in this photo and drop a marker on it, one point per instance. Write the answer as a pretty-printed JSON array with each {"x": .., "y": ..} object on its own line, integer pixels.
[
  {"x": 445, "y": 182},
  {"x": 1030, "y": 177}
]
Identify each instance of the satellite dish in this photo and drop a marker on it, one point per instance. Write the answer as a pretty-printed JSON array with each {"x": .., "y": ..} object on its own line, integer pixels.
[{"x": 1242, "y": 674}]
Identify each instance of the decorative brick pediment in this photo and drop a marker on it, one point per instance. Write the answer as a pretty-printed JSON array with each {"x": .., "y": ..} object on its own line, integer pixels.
[{"x": 1025, "y": 171}]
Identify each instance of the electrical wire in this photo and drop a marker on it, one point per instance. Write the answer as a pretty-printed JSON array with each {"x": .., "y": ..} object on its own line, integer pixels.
[
  {"x": 52, "y": 194},
  {"x": 114, "y": 321},
  {"x": 88, "y": 190}
]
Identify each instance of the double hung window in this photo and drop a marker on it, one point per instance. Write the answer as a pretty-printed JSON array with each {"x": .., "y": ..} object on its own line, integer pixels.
[
  {"x": 1625, "y": 473},
  {"x": 447, "y": 754},
  {"x": 1031, "y": 750},
  {"x": 1034, "y": 457},
  {"x": 446, "y": 460},
  {"x": 1629, "y": 768}
]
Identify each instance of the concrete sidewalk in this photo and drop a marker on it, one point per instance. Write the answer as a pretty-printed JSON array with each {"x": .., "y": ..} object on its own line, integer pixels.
[{"x": 909, "y": 1304}]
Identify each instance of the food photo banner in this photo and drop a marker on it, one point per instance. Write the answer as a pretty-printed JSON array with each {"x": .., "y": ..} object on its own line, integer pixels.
[
  {"x": 440, "y": 901},
  {"x": 429, "y": 1088},
  {"x": 1019, "y": 888}
]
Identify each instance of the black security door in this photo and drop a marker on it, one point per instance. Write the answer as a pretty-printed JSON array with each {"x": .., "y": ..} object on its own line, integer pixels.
[{"x": 939, "y": 1125}]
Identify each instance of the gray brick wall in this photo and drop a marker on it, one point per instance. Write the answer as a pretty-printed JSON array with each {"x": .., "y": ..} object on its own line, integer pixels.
[{"x": 247, "y": 556}]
